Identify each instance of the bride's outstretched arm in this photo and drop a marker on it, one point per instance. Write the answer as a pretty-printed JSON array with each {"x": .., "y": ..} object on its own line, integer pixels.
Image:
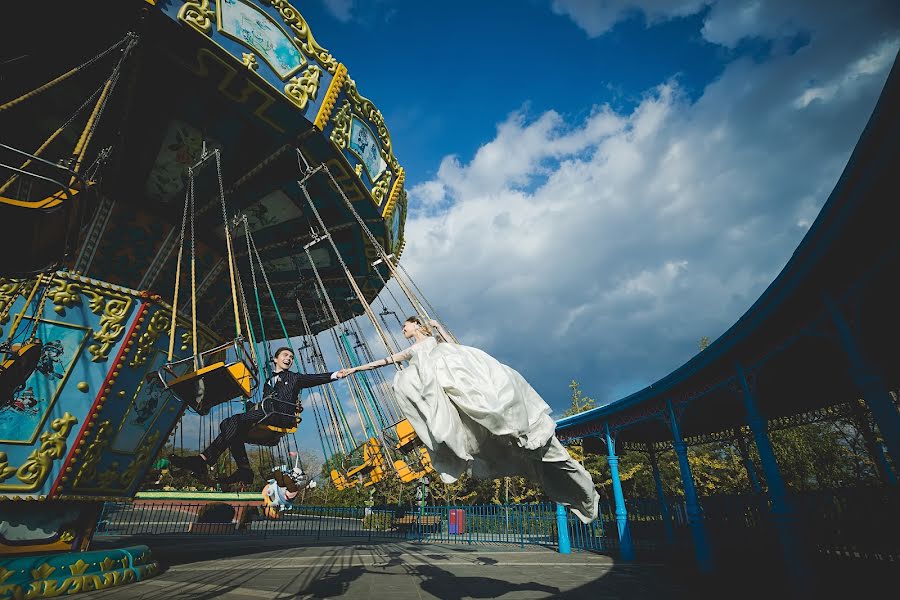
[
  {"x": 440, "y": 329},
  {"x": 381, "y": 362}
]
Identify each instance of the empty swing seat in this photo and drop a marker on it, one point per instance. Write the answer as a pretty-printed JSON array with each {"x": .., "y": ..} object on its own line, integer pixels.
[
  {"x": 43, "y": 200},
  {"x": 407, "y": 472},
  {"x": 368, "y": 473},
  {"x": 372, "y": 459},
  {"x": 16, "y": 368},
  {"x": 340, "y": 482},
  {"x": 417, "y": 462},
  {"x": 213, "y": 384},
  {"x": 406, "y": 436}
]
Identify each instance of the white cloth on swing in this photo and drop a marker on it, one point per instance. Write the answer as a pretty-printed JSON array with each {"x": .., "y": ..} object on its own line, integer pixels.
[{"x": 477, "y": 415}]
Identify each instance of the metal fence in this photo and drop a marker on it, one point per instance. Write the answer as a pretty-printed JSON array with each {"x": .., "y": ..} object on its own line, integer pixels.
[
  {"x": 860, "y": 522},
  {"x": 518, "y": 524}
]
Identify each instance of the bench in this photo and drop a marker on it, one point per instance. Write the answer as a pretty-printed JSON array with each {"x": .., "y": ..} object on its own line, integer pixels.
[{"x": 425, "y": 522}]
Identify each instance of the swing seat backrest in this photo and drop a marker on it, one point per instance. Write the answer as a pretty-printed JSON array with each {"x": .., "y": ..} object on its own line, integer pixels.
[
  {"x": 340, "y": 482},
  {"x": 372, "y": 459},
  {"x": 213, "y": 385},
  {"x": 16, "y": 368},
  {"x": 43, "y": 233},
  {"x": 407, "y": 439},
  {"x": 408, "y": 473}
]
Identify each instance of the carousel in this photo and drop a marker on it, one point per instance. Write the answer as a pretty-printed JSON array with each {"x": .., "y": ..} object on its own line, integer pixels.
[{"x": 182, "y": 185}]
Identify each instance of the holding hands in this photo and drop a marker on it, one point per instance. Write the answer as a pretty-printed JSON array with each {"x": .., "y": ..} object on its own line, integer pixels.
[{"x": 344, "y": 372}]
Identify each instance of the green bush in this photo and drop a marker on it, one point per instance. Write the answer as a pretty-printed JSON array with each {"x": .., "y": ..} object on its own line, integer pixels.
[{"x": 377, "y": 521}]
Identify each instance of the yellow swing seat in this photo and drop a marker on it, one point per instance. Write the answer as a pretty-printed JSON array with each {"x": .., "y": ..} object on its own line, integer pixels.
[
  {"x": 269, "y": 435},
  {"x": 372, "y": 459},
  {"x": 407, "y": 438},
  {"x": 417, "y": 462},
  {"x": 43, "y": 234},
  {"x": 408, "y": 473},
  {"x": 213, "y": 384},
  {"x": 17, "y": 367},
  {"x": 368, "y": 473},
  {"x": 340, "y": 482}
]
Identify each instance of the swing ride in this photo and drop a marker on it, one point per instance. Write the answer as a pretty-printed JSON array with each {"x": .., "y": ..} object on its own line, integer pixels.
[{"x": 232, "y": 116}]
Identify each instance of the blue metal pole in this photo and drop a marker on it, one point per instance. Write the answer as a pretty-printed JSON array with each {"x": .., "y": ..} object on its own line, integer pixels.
[
  {"x": 562, "y": 530},
  {"x": 625, "y": 548},
  {"x": 876, "y": 448},
  {"x": 889, "y": 476},
  {"x": 661, "y": 496},
  {"x": 871, "y": 385},
  {"x": 783, "y": 512},
  {"x": 691, "y": 502},
  {"x": 748, "y": 462}
]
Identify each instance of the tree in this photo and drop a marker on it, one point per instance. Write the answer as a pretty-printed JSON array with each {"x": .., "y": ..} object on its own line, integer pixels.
[
  {"x": 704, "y": 343},
  {"x": 580, "y": 402}
]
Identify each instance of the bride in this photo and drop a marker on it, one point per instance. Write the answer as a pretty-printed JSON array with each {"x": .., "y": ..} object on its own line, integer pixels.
[{"x": 477, "y": 415}]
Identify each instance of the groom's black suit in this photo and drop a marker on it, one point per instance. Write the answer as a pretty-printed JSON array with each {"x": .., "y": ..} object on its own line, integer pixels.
[{"x": 281, "y": 401}]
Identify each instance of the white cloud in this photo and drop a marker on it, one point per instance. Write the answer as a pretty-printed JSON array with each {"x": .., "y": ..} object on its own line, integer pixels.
[
  {"x": 342, "y": 10},
  {"x": 604, "y": 249},
  {"x": 596, "y": 18},
  {"x": 728, "y": 22},
  {"x": 876, "y": 61}
]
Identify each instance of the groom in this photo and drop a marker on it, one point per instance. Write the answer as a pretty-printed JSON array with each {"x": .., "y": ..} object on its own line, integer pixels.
[{"x": 281, "y": 401}]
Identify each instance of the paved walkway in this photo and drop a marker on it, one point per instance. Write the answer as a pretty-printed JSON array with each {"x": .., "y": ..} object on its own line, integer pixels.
[{"x": 281, "y": 568}]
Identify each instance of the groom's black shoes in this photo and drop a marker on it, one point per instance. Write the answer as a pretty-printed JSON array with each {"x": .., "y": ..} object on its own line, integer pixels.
[{"x": 195, "y": 464}]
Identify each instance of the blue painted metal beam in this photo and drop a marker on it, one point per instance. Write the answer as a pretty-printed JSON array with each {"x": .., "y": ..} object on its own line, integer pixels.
[
  {"x": 661, "y": 496},
  {"x": 748, "y": 462},
  {"x": 692, "y": 504},
  {"x": 871, "y": 386},
  {"x": 796, "y": 558},
  {"x": 562, "y": 528},
  {"x": 626, "y": 550}
]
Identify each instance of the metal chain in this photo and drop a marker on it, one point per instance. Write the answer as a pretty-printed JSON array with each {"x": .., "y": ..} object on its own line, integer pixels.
[
  {"x": 381, "y": 252},
  {"x": 114, "y": 79},
  {"x": 195, "y": 342},
  {"x": 387, "y": 345},
  {"x": 130, "y": 35},
  {"x": 40, "y": 308}
]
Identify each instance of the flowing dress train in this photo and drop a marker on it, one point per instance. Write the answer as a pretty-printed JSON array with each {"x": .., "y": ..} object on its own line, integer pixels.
[{"x": 477, "y": 415}]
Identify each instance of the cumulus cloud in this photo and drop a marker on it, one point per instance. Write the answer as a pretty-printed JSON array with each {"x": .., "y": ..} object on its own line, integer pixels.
[
  {"x": 342, "y": 10},
  {"x": 728, "y": 22},
  {"x": 603, "y": 249},
  {"x": 596, "y": 18}
]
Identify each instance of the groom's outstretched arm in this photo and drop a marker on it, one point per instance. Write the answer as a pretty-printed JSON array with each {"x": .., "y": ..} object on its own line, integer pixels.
[{"x": 307, "y": 381}]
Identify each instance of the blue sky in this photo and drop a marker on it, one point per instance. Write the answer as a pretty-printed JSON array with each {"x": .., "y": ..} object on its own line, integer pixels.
[
  {"x": 594, "y": 186},
  {"x": 445, "y": 78}
]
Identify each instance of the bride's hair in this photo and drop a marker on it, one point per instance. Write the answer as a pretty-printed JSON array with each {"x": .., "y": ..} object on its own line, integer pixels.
[{"x": 418, "y": 321}]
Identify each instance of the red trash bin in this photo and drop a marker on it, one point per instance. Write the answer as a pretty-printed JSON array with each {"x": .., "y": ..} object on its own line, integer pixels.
[{"x": 454, "y": 525}]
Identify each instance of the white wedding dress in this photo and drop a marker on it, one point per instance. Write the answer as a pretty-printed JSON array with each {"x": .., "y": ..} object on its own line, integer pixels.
[{"x": 476, "y": 414}]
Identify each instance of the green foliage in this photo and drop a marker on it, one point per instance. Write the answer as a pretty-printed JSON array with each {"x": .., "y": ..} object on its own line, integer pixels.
[
  {"x": 378, "y": 521},
  {"x": 580, "y": 402},
  {"x": 810, "y": 457}
]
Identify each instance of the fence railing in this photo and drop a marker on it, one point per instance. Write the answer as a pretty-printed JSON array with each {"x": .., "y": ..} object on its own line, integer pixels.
[
  {"x": 857, "y": 522},
  {"x": 519, "y": 524},
  {"x": 863, "y": 522}
]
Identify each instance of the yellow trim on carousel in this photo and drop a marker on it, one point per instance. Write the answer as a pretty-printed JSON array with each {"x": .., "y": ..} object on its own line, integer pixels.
[
  {"x": 330, "y": 98},
  {"x": 388, "y": 211}
]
